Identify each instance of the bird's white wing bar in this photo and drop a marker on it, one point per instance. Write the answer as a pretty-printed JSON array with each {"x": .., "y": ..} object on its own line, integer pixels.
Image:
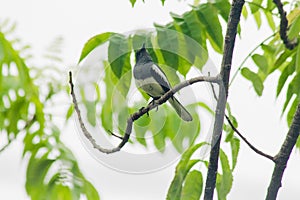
[{"x": 160, "y": 77}]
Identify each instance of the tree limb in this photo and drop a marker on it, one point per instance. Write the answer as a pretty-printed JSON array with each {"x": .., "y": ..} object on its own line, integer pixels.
[
  {"x": 283, "y": 156},
  {"x": 284, "y": 27},
  {"x": 234, "y": 18},
  {"x": 248, "y": 143},
  {"x": 137, "y": 114}
]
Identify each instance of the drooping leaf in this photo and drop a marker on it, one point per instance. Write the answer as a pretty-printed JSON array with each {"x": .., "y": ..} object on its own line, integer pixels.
[
  {"x": 224, "y": 8},
  {"x": 167, "y": 39},
  {"x": 261, "y": 62},
  {"x": 235, "y": 148},
  {"x": 293, "y": 89},
  {"x": 91, "y": 112},
  {"x": 292, "y": 111},
  {"x": 297, "y": 58},
  {"x": 257, "y": 17},
  {"x": 94, "y": 42},
  {"x": 224, "y": 181},
  {"x": 270, "y": 20},
  {"x": 282, "y": 58},
  {"x": 119, "y": 55},
  {"x": 255, "y": 5},
  {"x": 69, "y": 112},
  {"x": 182, "y": 168},
  {"x": 255, "y": 79},
  {"x": 294, "y": 29},
  {"x": 35, "y": 175},
  {"x": 288, "y": 70},
  {"x": 119, "y": 51},
  {"x": 90, "y": 192},
  {"x": 193, "y": 185},
  {"x": 208, "y": 15},
  {"x": 132, "y": 2}
]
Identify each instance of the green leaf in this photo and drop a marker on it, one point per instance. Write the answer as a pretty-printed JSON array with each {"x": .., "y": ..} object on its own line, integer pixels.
[
  {"x": 182, "y": 168},
  {"x": 235, "y": 148},
  {"x": 94, "y": 42},
  {"x": 119, "y": 58},
  {"x": 119, "y": 55},
  {"x": 270, "y": 5},
  {"x": 140, "y": 127},
  {"x": 36, "y": 171},
  {"x": 297, "y": 64},
  {"x": 60, "y": 192},
  {"x": 167, "y": 40},
  {"x": 255, "y": 5},
  {"x": 196, "y": 27},
  {"x": 257, "y": 17},
  {"x": 224, "y": 181},
  {"x": 70, "y": 112},
  {"x": 245, "y": 12},
  {"x": 123, "y": 114},
  {"x": 294, "y": 28},
  {"x": 282, "y": 58},
  {"x": 294, "y": 88},
  {"x": 193, "y": 186},
  {"x": 91, "y": 112},
  {"x": 291, "y": 113},
  {"x": 208, "y": 15},
  {"x": 224, "y": 8},
  {"x": 270, "y": 20},
  {"x": 255, "y": 79},
  {"x": 261, "y": 62},
  {"x": 106, "y": 115},
  {"x": 90, "y": 192},
  {"x": 288, "y": 70},
  {"x": 132, "y": 2}
]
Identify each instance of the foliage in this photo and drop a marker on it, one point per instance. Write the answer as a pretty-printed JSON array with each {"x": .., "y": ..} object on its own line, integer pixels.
[
  {"x": 276, "y": 58},
  {"x": 52, "y": 171}
]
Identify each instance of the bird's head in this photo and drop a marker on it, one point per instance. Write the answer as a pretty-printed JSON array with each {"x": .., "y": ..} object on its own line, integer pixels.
[{"x": 142, "y": 55}]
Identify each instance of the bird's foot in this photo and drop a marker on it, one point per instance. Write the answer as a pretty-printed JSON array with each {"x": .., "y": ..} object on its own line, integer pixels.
[
  {"x": 152, "y": 102},
  {"x": 147, "y": 112}
]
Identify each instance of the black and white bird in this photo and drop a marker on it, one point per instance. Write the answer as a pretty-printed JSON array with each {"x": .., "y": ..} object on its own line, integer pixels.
[{"x": 151, "y": 79}]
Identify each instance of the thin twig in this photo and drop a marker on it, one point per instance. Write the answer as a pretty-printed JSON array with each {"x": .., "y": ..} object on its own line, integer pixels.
[
  {"x": 137, "y": 114},
  {"x": 247, "y": 142},
  {"x": 241, "y": 136},
  {"x": 284, "y": 27},
  {"x": 5, "y": 146},
  {"x": 121, "y": 138}
]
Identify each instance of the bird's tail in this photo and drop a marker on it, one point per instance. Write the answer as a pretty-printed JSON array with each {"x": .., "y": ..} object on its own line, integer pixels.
[{"x": 180, "y": 109}]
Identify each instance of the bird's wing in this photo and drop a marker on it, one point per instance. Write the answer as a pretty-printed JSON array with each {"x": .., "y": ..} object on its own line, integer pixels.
[{"x": 160, "y": 77}]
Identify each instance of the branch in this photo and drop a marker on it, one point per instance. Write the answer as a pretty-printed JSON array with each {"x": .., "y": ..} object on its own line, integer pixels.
[
  {"x": 284, "y": 26},
  {"x": 234, "y": 18},
  {"x": 137, "y": 114},
  {"x": 282, "y": 157},
  {"x": 247, "y": 142}
]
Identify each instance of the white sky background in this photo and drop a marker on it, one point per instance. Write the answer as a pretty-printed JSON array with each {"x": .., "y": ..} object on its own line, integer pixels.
[{"x": 39, "y": 22}]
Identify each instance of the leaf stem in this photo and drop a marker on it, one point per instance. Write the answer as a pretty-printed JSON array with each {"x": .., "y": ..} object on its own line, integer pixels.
[{"x": 249, "y": 55}]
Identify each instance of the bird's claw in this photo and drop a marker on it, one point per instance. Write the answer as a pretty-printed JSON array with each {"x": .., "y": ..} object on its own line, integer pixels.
[
  {"x": 147, "y": 112},
  {"x": 153, "y": 103}
]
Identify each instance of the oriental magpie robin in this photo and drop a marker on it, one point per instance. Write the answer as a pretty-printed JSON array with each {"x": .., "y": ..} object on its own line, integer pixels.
[{"x": 151, "y": 79}]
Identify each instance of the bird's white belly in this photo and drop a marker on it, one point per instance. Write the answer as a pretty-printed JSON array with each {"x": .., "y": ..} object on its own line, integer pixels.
[{"x": 150, "y": 86}]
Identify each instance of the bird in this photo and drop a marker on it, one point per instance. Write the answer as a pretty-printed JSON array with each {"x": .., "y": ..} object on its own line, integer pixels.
[{"x": 150, "y": 78}]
